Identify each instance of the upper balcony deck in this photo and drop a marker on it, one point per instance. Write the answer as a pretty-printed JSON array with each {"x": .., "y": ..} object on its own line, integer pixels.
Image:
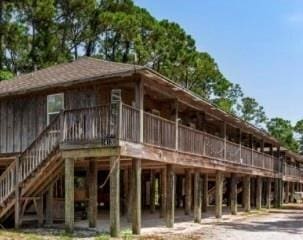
[{"x": 120, "y": 124}]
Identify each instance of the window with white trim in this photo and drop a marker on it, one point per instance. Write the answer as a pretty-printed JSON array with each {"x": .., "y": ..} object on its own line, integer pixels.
[{"x": 55, "y": 103}]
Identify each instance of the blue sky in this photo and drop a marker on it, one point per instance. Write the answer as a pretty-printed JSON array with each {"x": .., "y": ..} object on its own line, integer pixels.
[{"x": 257, "y": 43}]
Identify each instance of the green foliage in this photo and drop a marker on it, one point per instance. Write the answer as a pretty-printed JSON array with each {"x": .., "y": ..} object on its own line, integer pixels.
[
  {"x": 251, "y": 111},
  {"x": 284, "y": 131},
  {"x": 5, "y": 75}
]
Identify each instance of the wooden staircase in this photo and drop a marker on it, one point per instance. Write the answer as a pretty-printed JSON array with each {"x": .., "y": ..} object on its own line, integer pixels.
[{"x": 31, "y": 172}]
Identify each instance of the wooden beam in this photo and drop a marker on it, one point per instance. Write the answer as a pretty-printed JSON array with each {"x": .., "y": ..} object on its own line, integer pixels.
[
  {"x": 197, "y": 196},
  {"x": 219, "y": 193},
  {"x": 205, "y": 193},
  {"x": 93, "y": 193},
  {"x": 234, "y": 194},
  {"x": 136, "y": 198},
  {"x": 188, "y": 191},
  {"x": 170, "y": 204},
  {"x": 69, "y": 194},
  {"x": 259, "y": 193},
  {"x": 246, "y": 193},
  {"x": 115, "y": 196}
]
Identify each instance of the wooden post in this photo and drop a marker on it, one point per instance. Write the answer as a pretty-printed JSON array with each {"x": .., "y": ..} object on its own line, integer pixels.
[
  {"x": 287, "y": 192},
  {"x": 197, "y": 197},
  {"x": 49, "y": 205},
  {"x": 205, "y": 193},
  {"x": 152, "y": 192},
  {"x": 188, "y": 191},
  {"x": 292, "y": 197},
  {"x": 277, "y": 193},
  {"x": 139, "y": 99},
  {"x": 170, "y": 204},
  {"x": 125, "y": 191},
  {"x": 136, "y": 206},
  {"x": 69, "y": 194},
  {"x": 259, "y": 193},
  {"x": 177, "y": 125},
  {"x": 115, "y": 196},
  {"x": 225, "y": 139},
  {"x": 240, "y": 145},
  {"x": 246, "y": 193},
  {"x": 219, "y": 193},
  {"x": 268, "y": 193},
  {"x": 40, "y": 207},
  {"x": 93, "y": 194},
  {"x": 252, "y": 192},
  {"x": 130, "y": 195},
  {"x": 17, "y": 196},
  {"x": 234, "y": 194},
  {"x": 163, "y": 192}
]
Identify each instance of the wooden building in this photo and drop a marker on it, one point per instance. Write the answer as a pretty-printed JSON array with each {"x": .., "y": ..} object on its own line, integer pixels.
[{"x": 123, "y": 137}]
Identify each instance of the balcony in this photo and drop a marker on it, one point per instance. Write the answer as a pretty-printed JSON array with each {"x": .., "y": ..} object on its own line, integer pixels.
[{"x": 109, "y": 124}]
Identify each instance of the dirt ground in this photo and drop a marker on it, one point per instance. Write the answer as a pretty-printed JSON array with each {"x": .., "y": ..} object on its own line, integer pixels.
[{"x": 276, "y": 224}]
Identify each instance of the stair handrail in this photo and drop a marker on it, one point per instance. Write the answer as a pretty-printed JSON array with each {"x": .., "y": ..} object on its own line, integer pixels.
[{"x": 8, "y": 178}]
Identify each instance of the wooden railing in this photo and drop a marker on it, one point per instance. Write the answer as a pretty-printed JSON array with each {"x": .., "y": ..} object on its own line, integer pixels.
[
  {"x": 31, "y": 158},
  {"x": 232, "y": 152},
  {"x": 85, "y": 125},
  {"x": 292, "y": 171},
  {"x": 159, "y": 131},
  {"x": 190, "y": 140},
  {"x": 39, "y": 150},
  {"x": 7, "y": 182},
  {"x": 214, "y": 146},
  {"x": 130, "y": 130}
]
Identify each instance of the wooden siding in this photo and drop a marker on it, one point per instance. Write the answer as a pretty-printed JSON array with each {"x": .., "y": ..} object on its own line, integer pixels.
[{"x": 23, "y": 119}]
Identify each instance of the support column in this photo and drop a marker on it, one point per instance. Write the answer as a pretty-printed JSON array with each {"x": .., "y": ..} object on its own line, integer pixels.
[
  {"x": 268, "y": 193},
  {"x": 259, "y": 193},
  {"x": 246, "y": 193},
  {"x": 205, "y": 193},
  {"x": 69, "y": 194},
  {"x": 219, "y": 193},
  {"x": 152, "y": 192},
  {"x": 292, "y": 196},
  {"x": 170, "y": 204},
  {"x": 163, "y": 192},
  {"x": 129, "y": 195},
  {"x": 49, "y": 205},
  {"x": 115, "y": 196},
  {"x": 233, "y": 194},
  {"x": 286, "y": 192},
  {"x": 277, "y": 192},
  {"x": 40, "y": 207},
  {"x": 93, "y": 193},
  {"x": 197, "y": 197},
  {"x": 188, "y": 191},
  {"x": 136, "y": 206}
]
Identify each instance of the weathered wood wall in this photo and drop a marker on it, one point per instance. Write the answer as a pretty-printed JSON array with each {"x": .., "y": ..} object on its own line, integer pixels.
[{"x": 22, "y": 119}]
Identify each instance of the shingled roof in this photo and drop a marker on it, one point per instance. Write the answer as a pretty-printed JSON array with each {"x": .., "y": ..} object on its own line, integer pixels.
[{"x": 83, "y": 69}]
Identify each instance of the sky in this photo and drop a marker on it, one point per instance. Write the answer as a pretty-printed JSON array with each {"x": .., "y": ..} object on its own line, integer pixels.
[{"x": 256, "y": 43}]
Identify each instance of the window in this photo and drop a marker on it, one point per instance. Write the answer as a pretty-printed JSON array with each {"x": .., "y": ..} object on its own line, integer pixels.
[{"x": 55, "y": 103}]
